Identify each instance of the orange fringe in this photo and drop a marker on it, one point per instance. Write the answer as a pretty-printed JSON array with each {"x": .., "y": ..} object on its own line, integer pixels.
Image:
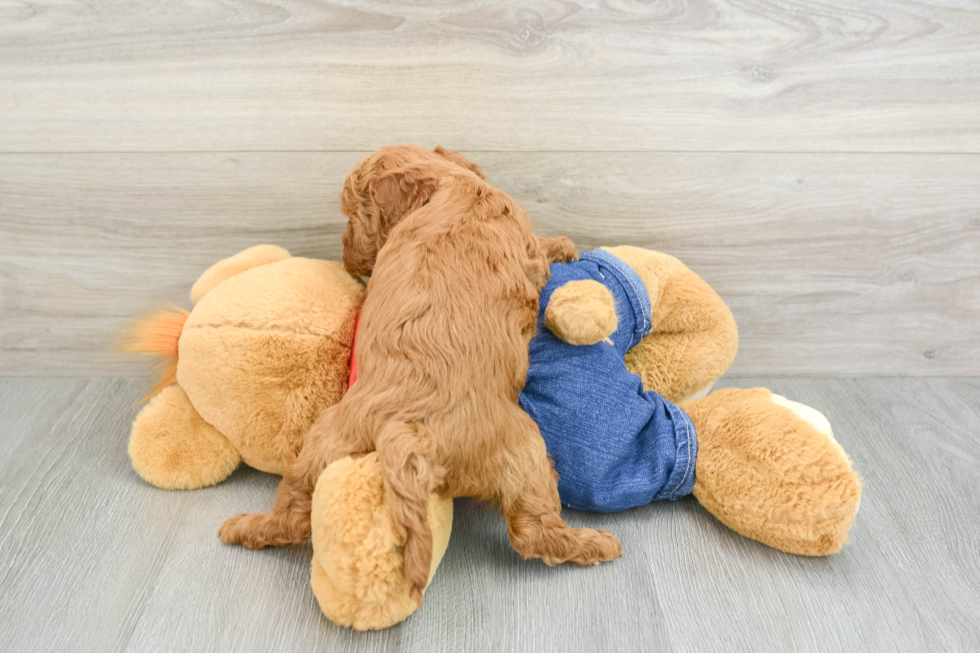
[{"x": 157, "y": 335}]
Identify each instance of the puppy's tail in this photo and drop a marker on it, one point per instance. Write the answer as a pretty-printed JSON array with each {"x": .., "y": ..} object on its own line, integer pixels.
[
  {"x": 411, "y": 472},
  {"x": 157, "y": 335}
]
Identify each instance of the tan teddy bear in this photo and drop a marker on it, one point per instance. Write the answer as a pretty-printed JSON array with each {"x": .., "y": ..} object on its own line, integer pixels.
[
  {"x": 265, "y": 350},
  {"x": 267, "y": 347}
]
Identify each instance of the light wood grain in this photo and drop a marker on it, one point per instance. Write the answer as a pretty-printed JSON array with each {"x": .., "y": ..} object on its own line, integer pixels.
[
  {"x": 556, "y": 75},
  {"x": 96, "y": 560},
  {"x": 909, "y": 549},
  {"x": 831, "y": 263}
]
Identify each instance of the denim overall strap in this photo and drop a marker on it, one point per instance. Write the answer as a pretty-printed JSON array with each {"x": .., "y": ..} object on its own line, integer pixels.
[{"x": 634, "y": 287}]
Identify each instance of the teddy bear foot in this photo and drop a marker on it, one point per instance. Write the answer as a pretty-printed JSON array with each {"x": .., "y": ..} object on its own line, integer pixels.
[
  {"x": 173, "y": 448},
  {"x": 770, "y": 469},
  {"x": 357, "y": 573}
]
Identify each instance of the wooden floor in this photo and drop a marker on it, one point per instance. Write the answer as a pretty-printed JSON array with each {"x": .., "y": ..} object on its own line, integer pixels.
[{"x": 96, "y": 560}]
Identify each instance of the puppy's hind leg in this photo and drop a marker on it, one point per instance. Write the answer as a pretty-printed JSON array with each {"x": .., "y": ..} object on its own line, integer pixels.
[
  {"x": 289, "y": 520},
  {"x": 287, "y": 523},
  {"x": 528, "y": 492}
]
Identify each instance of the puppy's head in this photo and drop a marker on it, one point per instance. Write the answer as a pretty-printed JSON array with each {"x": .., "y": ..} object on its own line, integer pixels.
[{"x": 384, "y": 188}]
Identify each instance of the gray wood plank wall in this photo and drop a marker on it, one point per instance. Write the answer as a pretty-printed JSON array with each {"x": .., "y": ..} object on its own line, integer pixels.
[
  {"x": 818, "y": 164},
  {"x": 787, "y": 75}
]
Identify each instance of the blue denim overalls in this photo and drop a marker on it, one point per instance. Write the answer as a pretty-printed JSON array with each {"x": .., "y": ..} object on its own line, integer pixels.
[{"x": 614, "y": 446}]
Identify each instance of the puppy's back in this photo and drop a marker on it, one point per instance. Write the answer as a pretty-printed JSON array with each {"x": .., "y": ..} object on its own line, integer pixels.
[{"x": 450, "y": 298}]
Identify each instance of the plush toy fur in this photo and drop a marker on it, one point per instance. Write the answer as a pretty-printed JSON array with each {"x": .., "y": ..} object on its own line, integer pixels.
[
  {"x": 265, "y": 350},
  {"x": 694, "y": 337},
  {"x": 770, "y": 469},
  {"x": 267, "y": 347},
  {"x": 355, "y": 527},
  {"x": 767, "y": 467}
]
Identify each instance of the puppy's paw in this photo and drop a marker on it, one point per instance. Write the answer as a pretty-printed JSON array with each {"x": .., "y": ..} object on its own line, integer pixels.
[
  {"x": 243, "y": 529},
  {"x": 560, "y": 249},
  {"x": 608, "y": 546},
  {"x": 596, "y": 547}
]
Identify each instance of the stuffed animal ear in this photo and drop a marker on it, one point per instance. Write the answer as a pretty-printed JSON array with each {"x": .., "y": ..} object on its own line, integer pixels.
[
  {"x": 460, "y": 160},
  {"x": 582, "y": 313}
]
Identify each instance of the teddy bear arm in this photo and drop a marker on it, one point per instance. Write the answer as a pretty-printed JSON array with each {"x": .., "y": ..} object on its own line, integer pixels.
[
  {"x": 770, "y": 469},
  {"x": 357, "y": 572},
  {"x": 172, "y": 447},
  {"x": 247, "y": 259}
]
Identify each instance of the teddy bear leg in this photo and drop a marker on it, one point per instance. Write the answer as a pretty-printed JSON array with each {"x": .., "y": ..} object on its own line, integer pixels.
[
  {"x": 357, "y": 573},
  {"x": 770, "y": 469},
  {"x": 679, "y": 366},
  {"x": 693, "y": 338},
  {"x": 700, "y": 393},
  {"x": 691, "y": 346},
  {"x": 173, "y": 448}
]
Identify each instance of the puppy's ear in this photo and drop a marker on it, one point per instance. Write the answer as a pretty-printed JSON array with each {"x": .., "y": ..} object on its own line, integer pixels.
[
  {"x": 402, "y": 191},
  {"x": 460, "y": 160}
]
